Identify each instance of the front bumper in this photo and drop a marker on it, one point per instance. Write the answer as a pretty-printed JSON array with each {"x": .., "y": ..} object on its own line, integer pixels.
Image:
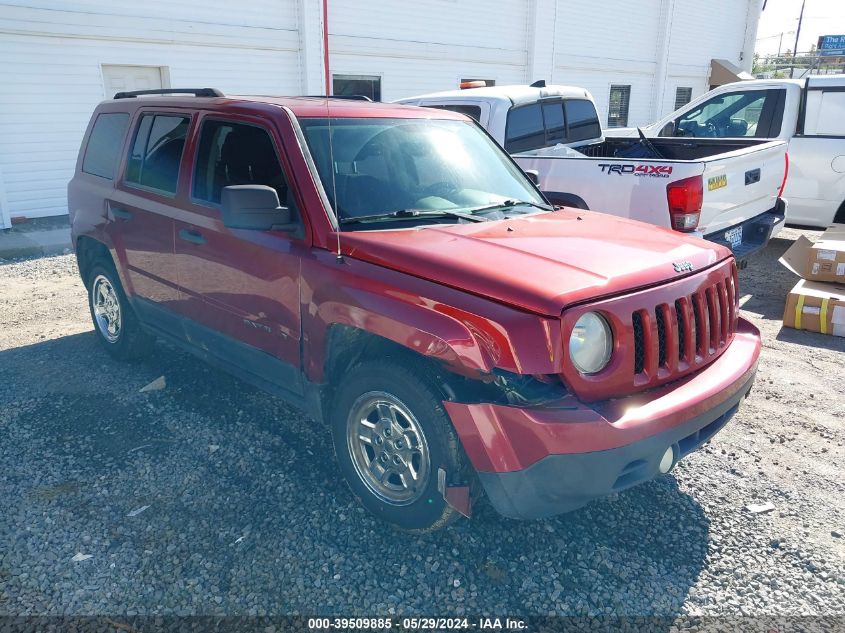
[
  {"x": 756, "y": 232},
  {"x": 541, "y": 461}
]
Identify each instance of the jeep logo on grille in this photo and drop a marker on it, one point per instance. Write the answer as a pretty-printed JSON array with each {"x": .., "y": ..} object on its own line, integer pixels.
[{"x": 682, "y": 267}]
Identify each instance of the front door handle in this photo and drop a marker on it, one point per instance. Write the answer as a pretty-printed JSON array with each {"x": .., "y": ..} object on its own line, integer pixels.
[
  {"x": 121, "y": 214},
  {"x": 194, "y": 237}
]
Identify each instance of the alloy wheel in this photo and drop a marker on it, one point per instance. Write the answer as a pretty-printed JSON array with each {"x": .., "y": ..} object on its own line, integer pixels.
[{"x": 388, "y": 448}]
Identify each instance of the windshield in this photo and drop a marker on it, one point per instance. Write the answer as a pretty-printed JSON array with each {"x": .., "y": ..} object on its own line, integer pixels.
[{"x": 385, "y": 166}]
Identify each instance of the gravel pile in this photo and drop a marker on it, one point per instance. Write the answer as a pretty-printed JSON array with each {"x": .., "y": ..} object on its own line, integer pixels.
[{"x": 208, "y": 497}]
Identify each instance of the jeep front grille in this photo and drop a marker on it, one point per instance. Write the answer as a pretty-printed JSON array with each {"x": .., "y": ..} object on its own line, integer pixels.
[
  {"x": 661, "y": 333},
  {"x": 697, "y": 326}
]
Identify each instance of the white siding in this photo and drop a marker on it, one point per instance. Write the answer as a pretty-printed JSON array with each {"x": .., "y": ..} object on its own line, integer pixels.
[
  {"x": 616, "y": 44},
  {"x": 51, "y": 79},
  {"x": 719, "y": 32},
  {"x": 51, "y": 73},
  {"x": 419, "y": 47}
]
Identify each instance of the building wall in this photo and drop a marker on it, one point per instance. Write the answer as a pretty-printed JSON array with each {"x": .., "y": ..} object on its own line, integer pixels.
[
  {"x": 721, "y": 37},
  {"x": 427, "y": 46},
  {"x": 616, "y": 45},
  {"x": 51, "y": 75}
]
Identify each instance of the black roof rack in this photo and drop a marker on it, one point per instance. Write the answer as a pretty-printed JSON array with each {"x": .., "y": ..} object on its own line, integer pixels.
[
  {"x": 197, "y": 92},
  {"x": 349, "y": 97}
]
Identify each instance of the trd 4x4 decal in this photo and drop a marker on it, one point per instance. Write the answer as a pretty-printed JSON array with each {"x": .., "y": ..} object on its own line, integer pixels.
[{"x": 653, "y": 171}]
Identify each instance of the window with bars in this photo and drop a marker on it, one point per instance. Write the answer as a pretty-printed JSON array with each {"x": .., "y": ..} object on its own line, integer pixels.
[
  {"x": 682, "y": 96},
  {"x": 617, "y": 111}
]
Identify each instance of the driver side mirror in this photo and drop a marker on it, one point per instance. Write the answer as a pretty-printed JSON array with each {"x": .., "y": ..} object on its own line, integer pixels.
[
  {"x": 254, "y": 207},
  {"x": 533, "y": 176}
]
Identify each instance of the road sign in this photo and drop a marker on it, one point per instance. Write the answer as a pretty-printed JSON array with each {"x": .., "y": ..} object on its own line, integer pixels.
[{"x": 832, "y": 45}]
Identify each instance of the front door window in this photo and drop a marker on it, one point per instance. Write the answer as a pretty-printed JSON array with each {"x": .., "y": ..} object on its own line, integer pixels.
[{"x": 729, "y": 115}]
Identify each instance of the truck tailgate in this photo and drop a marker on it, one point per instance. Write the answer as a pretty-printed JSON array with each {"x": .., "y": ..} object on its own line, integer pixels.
[
  {"x": 628, "y": 188},
  {"x": 740, "y": 185}
]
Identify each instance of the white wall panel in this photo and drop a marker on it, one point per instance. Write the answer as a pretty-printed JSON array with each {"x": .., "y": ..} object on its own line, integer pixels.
[
  {"x": 51, "y": 73},
  {"x": 612, "y": 42},
  {"x": 50, "y": 77},
  {"x": 424, "y": 46}
]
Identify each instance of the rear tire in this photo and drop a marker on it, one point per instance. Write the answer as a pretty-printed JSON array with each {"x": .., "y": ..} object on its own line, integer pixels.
[
  {"x": 391, "y": 438},
  {"x": 839, "y": 218},
  {"x": 115, "y": 324}
]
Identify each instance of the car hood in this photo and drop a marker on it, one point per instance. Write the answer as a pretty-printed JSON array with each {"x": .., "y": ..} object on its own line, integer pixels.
[{"x": 543, "y": 262}]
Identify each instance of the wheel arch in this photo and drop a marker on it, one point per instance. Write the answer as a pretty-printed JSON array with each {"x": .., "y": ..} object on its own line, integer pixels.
[
  {"x": 347, "y": 346},
  {"x": 88, "y": 250},
  {"x": 460, "y": 334},
  {"x": 839, "y": 218}
]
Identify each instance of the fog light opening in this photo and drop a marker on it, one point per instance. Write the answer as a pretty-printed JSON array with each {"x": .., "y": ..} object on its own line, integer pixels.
[{"x": 667, "y": 462}]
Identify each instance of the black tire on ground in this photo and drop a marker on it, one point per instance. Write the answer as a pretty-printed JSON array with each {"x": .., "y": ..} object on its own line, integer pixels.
[
  {"x": 413, "y": 387},
  {"x": 839, "y": 218},
  {"x": 131, "y": 340}
]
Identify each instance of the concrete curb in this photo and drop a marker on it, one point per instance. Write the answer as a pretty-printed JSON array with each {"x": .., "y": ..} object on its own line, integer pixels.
[{"x": 16, "y": 245}]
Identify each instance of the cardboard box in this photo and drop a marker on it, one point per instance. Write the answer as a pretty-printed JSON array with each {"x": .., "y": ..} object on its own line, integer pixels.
[
  {"x": 823, "y": 260},
  {"x": 817, "y": 307}
]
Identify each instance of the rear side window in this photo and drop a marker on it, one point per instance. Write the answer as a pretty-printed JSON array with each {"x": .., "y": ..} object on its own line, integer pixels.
[
  {"x": 555, "y": 122},
  {"x": 469, "y": 110},
  {"x": 583, "y": 120},
  {"x": 104, "y": 144},
  {"x": 547, "y": 124},
  {"x": 157, "y": 151},
  {"x": 825, "y": 113},
  {"x": 525, "y": 129}
]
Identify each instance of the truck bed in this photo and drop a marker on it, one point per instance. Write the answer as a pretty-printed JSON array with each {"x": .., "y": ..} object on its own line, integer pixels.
[
  {"x": 740, "y": 179},
  {"x": 681, "y": 149}
]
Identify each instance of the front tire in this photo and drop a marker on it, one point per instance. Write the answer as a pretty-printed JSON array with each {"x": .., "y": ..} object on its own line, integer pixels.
[
  {"x": 115, "y": 324},
  {"x": 392, "y": 436}
]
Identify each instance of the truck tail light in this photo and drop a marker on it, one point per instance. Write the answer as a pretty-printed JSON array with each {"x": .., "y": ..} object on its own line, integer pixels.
[
  {"x": 685, "y": 199},
  {"x": 785, "y": 174}
]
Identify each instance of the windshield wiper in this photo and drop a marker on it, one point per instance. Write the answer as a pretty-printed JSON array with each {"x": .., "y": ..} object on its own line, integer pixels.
[
  {"x": 411, "y": 214},
  {"x": 507, "y": 204}
]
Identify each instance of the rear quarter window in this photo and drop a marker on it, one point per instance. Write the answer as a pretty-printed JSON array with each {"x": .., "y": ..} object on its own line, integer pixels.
[
  {"x": 583, "y": 120},
  {"x": 826, "y": 109},
  {"x": 157, "y": 151},
  {"x": 104, "y": 144},
  {"x": 525, "y": 129}
]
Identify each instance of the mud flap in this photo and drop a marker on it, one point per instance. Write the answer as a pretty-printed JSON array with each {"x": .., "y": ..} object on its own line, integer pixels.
[{"x": 456, "y": 496}]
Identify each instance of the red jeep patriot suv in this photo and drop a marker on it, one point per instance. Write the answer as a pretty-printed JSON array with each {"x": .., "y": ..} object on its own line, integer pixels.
[{"x": 392, "y": 272}]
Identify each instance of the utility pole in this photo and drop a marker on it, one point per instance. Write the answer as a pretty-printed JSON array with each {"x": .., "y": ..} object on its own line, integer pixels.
[{"x": 797, "y": 34}]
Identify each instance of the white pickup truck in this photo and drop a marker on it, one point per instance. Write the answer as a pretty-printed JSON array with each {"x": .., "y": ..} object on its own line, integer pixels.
[
  {"x": 725, "y": 191},
  {"x": 807, "y": 113}
]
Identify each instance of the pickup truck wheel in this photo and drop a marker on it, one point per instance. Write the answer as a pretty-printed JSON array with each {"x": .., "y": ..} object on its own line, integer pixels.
[
  {"x": 391, "y": 437},
  {"x": 115, "y": 323}
]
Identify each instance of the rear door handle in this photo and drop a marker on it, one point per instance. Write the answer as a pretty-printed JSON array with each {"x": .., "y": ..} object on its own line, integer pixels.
[
  {"x": 194, "y": 237},
  {"x": 121, "y": 214},
  {"x": 752, "y": 176}
]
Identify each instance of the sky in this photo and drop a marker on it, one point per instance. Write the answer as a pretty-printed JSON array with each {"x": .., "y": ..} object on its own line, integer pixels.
[{"x": 821, "y": 17}]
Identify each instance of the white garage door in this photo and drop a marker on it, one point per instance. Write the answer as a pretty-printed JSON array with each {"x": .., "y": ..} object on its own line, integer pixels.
[{"x": 127, "y": 78}]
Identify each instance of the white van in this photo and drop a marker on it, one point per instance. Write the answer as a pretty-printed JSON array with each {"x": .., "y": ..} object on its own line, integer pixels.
[{"x": 808, "y": 113}]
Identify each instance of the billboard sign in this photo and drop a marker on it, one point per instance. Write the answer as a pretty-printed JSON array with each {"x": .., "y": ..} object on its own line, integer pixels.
[{"x": 832, "y": 45}]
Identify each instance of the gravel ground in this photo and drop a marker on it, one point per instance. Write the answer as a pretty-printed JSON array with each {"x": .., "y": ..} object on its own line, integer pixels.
[{"x": 207, "y": 497}]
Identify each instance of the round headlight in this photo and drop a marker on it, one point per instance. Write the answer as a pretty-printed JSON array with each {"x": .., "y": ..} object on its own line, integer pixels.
[{"x": 590, "y": 344}]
